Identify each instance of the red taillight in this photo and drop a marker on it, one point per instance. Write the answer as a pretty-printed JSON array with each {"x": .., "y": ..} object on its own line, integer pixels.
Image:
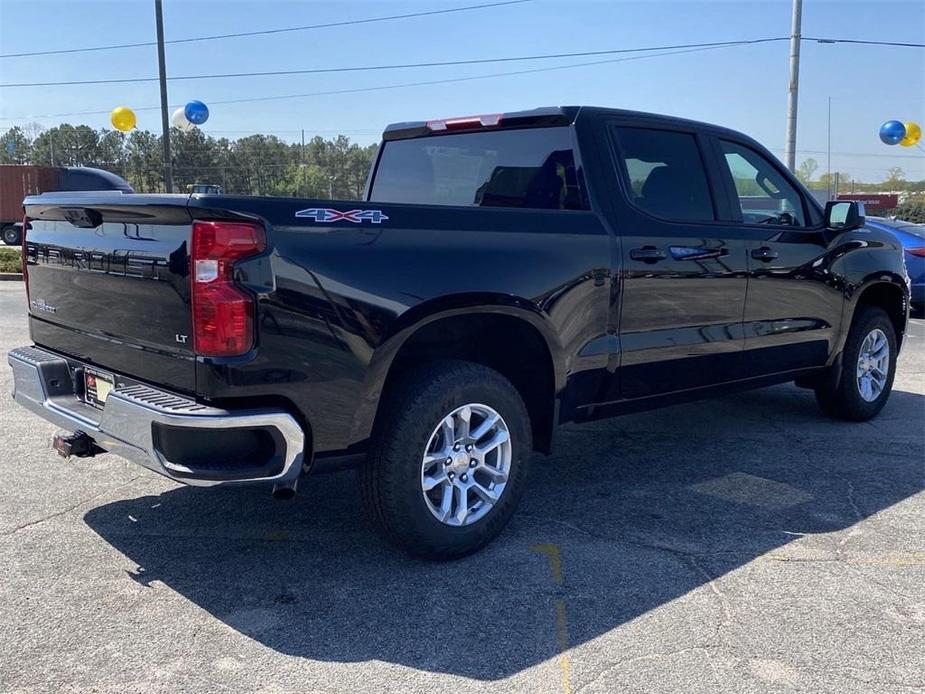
[
  {"x": 223, "y": 313},
  {"x": 466, "y": 123},
  {"x": 917, "y": 252},
  {"x": 25, "y": 256}
]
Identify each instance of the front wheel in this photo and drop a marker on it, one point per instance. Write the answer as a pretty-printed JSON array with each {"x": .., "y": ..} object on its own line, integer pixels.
[
  {"x": 867, "y": 371},
  {"x": 449, "y": 459}
]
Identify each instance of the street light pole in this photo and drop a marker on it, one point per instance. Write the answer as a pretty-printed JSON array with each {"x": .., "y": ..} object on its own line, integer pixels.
[
  {"x": 790, "y": 148},
  {"x": 165, "y": 121}
]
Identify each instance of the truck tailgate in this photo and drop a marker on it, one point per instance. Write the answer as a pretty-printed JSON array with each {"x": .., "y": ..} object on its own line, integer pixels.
[{"x": 108, "y": 282}]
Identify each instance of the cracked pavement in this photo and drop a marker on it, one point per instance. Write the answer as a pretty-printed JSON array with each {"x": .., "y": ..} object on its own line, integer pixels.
[{"x": 739, "y": 544}]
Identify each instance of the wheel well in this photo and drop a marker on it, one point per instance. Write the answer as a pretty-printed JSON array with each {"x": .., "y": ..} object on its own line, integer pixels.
[
  {"x": 889, "y": 297},
  {"x": 509, "y": 345}
]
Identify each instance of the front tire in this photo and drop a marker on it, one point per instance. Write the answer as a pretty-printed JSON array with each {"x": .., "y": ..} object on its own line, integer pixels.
[
  {"x": 868, "y": 367},
  {"x": 449, "y": 459}
]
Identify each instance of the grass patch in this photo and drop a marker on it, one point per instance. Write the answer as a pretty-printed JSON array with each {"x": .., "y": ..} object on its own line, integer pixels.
[{"x": 10, "y": 259}]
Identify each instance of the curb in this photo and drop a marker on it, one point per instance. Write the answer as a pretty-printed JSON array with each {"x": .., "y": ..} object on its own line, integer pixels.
[{"x": 11, "y": 276}]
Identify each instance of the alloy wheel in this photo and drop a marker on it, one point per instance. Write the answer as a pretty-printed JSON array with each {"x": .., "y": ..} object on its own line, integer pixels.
[
  {"x": 873, "y": 366},
  {"x": 466, "y": 464}
]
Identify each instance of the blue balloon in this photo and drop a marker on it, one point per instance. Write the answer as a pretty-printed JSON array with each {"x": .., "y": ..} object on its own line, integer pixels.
[
  {"x": 892, "y": 132},
  {"x": 197, "y": 113}
]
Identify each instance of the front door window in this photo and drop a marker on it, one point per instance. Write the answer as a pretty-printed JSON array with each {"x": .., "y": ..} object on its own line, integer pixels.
[{"x": 765, "y": 196}]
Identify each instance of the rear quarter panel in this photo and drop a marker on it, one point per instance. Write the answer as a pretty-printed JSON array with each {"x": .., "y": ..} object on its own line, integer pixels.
[{"x": 337, "y": 300}]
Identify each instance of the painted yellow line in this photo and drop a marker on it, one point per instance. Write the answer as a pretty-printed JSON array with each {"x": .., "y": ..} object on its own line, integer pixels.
[{"x": 554, "y": 555}]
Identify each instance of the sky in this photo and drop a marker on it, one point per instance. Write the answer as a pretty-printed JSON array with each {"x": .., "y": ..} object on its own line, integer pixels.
[{"x": 742, "y": 87}]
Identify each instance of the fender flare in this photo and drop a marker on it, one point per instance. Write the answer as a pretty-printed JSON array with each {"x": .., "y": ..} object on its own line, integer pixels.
[
  {"x": 421, "y": 315},
  {"x": 884, "y": 277}
]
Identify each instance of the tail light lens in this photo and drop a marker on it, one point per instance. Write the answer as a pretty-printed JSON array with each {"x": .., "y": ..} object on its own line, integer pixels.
[
  {"x": 25, "y": 256},
  {"x": 223, "y": 313},
  {"x": 917, "y": 252}
]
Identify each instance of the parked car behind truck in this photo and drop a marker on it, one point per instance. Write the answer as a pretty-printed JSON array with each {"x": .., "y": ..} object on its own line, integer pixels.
[
  {"x": 912, "y": 238},
  {"x": 504, "y": 274},
  {"x": 17, "y": 182}
]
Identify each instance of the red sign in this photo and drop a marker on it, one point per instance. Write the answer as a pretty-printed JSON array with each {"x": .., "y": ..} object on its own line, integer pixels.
[{"x": 878, "y": 201}]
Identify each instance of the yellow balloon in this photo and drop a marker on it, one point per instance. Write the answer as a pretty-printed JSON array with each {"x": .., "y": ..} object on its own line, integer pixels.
[
  {"x": 123, "y": 118},
  {"x": 913, "y": 135}
]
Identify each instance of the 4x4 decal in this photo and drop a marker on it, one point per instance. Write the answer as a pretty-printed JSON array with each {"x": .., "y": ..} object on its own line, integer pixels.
[{"x": 322, "y": 214}]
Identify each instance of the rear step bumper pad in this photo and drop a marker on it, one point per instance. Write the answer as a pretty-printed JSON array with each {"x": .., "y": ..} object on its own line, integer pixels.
[{"x": 125, "y": 426}]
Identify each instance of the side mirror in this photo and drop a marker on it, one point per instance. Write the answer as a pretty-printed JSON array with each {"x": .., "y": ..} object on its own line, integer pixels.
[{"x": 844, "y": 215}]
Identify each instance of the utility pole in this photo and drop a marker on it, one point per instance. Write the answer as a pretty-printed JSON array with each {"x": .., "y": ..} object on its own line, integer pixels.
[
  {"x": 828, "y": 154},
  {"x": 790, "y": 148},
  {"x": 165, "y": 121},
  {"x": 302, "y": 166}
]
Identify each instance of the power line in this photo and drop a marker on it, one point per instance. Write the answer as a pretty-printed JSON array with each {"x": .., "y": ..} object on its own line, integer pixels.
[
  {"x": 265, "y": 32},
  {"x": 884, "y": 155},
  {"x": 446, "y": 63},
  {"x": 358, "y": 90},
  {"x": 369, "y": 68},
  {"x": 862, "y": 154},
  {"x": 865, "y": 42},
  {"x": 694, "y": 48}
]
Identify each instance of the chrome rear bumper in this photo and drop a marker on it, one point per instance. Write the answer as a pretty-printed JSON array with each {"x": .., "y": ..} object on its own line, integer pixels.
[{"x": 133, "y": 414}]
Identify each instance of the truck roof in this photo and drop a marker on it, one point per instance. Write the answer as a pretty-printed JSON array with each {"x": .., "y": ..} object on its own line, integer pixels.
[{"x": 538, "y": 117}]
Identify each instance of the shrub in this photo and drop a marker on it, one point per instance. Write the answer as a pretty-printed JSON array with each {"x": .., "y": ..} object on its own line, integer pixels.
[
  {"x": 910, "y": 212},
  {"x": 10, "y": 260}
]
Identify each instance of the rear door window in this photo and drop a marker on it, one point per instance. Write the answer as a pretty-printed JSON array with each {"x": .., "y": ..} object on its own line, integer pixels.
[
  {"x": 665, "y": 174},
  {"x": 528, "y": 168}
]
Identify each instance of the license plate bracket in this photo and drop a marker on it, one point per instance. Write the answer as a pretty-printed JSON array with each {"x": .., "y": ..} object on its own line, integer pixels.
[{"x": 97, "y": 387}]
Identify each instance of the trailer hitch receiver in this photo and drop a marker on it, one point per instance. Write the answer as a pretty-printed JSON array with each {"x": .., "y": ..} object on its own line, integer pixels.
[{"x": 78, "y": 444}]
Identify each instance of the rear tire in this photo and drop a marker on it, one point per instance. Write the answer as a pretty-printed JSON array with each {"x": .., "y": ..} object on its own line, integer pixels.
[
  {"x": 11, "y": 235},
  {"x": 423, "y": 425},
  {"x": 861, "y": 388}
]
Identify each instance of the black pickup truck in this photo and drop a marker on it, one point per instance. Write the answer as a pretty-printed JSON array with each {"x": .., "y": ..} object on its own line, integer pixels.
[{"x": 504, "y": 274}]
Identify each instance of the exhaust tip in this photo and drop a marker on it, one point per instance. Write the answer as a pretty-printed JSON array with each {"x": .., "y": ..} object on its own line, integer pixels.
[{"x": 285, "y": 492}]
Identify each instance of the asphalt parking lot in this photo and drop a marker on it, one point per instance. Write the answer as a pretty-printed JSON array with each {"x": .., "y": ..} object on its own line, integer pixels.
[{"x": 740, "y": 544}]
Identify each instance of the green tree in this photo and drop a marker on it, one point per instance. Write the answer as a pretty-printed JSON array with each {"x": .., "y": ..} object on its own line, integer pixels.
[
  {"x": 110, "y": 151},
  {"x": 806, "y": 170},
  {"x": 257, "y": 164},
  {"x": 143, "y": 162},
  {"x": 895, "y": 178},
  {"x": 15, "y": 147},
  {"x": 253, "y": 165},
  {"x": 68, "y": 145},
  {"x": 359, "y": 160},
  {"x": 828, "y": 181},
  {"x": 196, "y": 158}
]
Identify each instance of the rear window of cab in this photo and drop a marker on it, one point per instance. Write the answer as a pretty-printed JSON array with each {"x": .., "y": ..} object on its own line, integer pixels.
[{"x": 531, "y": 168}]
